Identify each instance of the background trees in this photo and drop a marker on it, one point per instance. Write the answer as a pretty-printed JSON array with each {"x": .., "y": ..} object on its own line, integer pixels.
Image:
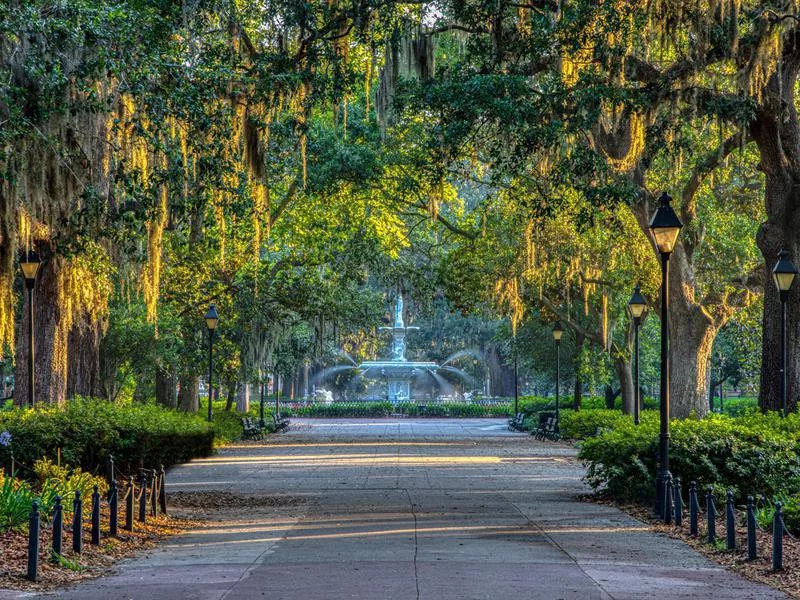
[{"x": 294, "y": 162}]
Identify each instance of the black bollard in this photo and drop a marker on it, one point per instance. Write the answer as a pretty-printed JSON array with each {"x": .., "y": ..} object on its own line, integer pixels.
[
  {"x": 667, "y": 504},
  {"x": 777, "y": 538},
  {"x": 58, "y": 524},
  {"x": 77, "y": 523},
  {"x": 751, "y": 529},
  {"x": 33, "y": 542},
  {"x": 154, "y": 494},
  {"x": 112, "y": 476},
  {"x": 113, "y": 515},
  {"x": 143, "y": 497},
  {"x": 678, "y": 503},
  {"x": 129, "y": 504},
  {"x": 694, "y": 509},
  {"x": 162, "y": 496},
  {"x": 730, "y": 522},
  {"x": 711, "y": 512},
  {"x": 95, "y": 517}
]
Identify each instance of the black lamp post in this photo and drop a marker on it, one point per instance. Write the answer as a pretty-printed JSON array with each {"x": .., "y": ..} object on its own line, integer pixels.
[
  {"x": 664, "y": 226},
  {"x": 212, "y": 318},
  {"x": 784, "y": 275},
  {"x": 636, "y": 305},
  {"x": 558, "y": 331},
  {"x": 516, "y": 379},
  {"x": 277, "y": 394},
  {"x": 29, "y": 264}
]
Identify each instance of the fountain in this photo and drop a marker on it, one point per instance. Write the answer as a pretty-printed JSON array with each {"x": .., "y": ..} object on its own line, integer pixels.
[{"x": 398, "y": 370}]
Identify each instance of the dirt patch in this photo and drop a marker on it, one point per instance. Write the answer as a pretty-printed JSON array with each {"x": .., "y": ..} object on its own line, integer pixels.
[
  {"x": 224, "y": 500},
  {"x": 93, "y": 561}
]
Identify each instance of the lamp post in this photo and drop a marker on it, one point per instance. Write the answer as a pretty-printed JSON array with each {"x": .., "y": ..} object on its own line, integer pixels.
[
  {"x": 784, "y": 275},
  {"x": 30, "y": 266},
  {"x": 636, "y": 306},
  {"x": 516, "y": 379},
  {"x": 277, "y": 395},
  {"x": 212, "y": 318},
  {"x": 558, "y": 331},
  {"x": 664, "y": 226}
]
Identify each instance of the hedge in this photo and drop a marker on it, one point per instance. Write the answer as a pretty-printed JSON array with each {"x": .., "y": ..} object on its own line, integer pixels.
[
  {"x": 88, "y": 431},
  {"x": 753, "y": 455},
  {"x": 384, "y": 409}
]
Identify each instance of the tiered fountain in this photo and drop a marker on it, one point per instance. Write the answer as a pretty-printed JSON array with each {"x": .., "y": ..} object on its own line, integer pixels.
[{"x": 398, "y": 370}]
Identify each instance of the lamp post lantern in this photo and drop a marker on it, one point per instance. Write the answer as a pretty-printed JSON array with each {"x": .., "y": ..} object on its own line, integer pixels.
[
  {"x": 784, "y": 275},
  {"x": 29, "y": 264},
  {"x": 664, "y": 226},
  {"x": 212, "y": 318},
  {"x": 636, "y": 306},
  {"x": 558, "y": 331}
]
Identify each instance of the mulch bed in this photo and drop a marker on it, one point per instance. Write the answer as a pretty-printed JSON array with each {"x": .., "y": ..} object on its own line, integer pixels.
[
  {"x": 92, "y": 562},
  {"x": 760, "y": 569}
]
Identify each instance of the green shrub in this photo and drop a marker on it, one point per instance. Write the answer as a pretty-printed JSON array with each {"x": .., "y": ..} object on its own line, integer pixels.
[
  {"x": 16, "y": 497},
  {"x": 756, "y": 454},
  {"x": 88, "y": 431}
]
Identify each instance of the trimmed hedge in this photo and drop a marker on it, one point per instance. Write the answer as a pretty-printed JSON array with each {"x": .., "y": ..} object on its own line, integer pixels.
[
  {"x": 384, "y": 409},
  {"x": 752, "y": 455},
  {"x": 87, "y": 431}
]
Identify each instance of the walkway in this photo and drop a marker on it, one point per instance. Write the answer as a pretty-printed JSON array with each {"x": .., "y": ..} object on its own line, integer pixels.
[{"x": 402, "y": 510}]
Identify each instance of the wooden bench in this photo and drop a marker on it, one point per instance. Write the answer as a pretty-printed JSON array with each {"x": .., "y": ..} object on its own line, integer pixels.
[
  {"x": 280, "y": 422},
  {"x": 250, "y": 431},
  {"x": 547, "y": 430},
  {"x": 515, "y": 423}
]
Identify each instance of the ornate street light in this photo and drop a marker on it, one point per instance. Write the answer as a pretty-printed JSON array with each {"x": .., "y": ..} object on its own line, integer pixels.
[
  {"x": 516, "y": 379},
  {"x": 29, "y": 264},
  {"x": 264, "y": 390},
  {"x": 212, "y": 318},
  {"x": 636, "y": 306},
  {"x": 664, "y": 226},
  {"x": 558, "y": 331},
  {"x": 784, "y": 275}
]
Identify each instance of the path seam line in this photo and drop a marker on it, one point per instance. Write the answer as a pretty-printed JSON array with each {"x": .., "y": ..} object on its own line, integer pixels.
[{"x": 416, "y": 542}]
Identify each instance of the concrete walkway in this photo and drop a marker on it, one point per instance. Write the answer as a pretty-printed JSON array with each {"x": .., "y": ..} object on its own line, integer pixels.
[{"x": 403, "y": 510}]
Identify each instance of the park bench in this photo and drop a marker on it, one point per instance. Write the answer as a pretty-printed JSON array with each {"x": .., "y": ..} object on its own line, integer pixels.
[
  {"x": 515, "y": 423},
  {"x": 280, "y": 422},
  {"x": 250, "y": 431},
  {"x": 547, "y": 429}
]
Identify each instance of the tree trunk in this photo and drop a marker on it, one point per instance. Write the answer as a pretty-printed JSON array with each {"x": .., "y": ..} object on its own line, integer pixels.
[
  {"x": 167, "y": 387},
  {"x": 231, "y": 400},
  {"x": 775, "y": 131},
  {"x": 578, "y": 391},
  {"x": 624, "y": 372},
  {"x": 83, "y": 358},
  {"x": 50, "y": 340},
  {"x": 243, "y": 398},
  {"x": 189, "y": 395}
]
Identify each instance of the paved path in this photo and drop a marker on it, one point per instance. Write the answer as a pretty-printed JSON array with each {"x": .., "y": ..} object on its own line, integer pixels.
[{"x": 404, "y": 510}]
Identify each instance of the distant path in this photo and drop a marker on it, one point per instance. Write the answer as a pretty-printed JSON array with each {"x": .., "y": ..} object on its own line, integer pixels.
[{"x": 402, "y": 509}]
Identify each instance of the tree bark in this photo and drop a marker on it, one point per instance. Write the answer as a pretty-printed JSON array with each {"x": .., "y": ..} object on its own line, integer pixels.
[
  {"x": 50, "y": 340},
  {"x": 189, "y": 395},
  {"x": 83, "y": 358},
  {"x": 775, "y": 131},
  {"x": 624, "y": 372},
  {"x": 166, "y": 387},
  {"x": 231, "y": 399}
]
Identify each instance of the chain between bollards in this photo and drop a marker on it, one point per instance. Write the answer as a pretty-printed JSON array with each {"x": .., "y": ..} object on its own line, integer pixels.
[{"x": 33, "y": 542}]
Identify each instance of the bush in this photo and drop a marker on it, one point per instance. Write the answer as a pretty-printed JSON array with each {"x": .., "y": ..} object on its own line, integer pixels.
[
  {"x": 88, "y": 431},
  {"x": 755, "y": 454}
]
